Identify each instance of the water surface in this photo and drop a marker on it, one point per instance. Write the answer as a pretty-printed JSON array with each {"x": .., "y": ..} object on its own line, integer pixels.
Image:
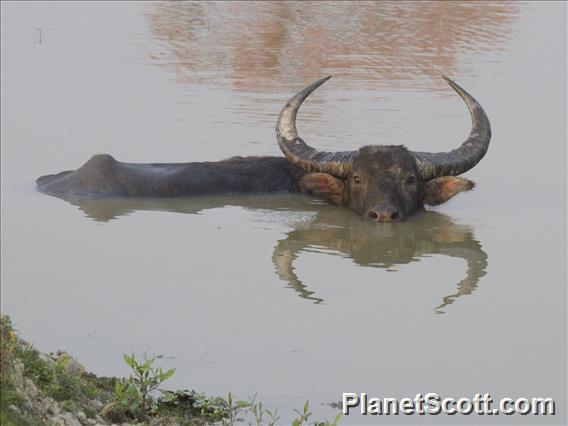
[{"x": 284, "y": 295}]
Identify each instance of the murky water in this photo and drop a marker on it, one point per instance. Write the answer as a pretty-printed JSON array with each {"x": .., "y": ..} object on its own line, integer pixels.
[{"x": 284, "y": 295}]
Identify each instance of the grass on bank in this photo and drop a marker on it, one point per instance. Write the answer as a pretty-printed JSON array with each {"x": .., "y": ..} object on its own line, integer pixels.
[{"x": 134, "y": 399}]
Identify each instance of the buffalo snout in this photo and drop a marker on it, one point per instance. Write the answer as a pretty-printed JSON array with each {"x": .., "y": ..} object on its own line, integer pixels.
[{"x": 384, "y": 214}]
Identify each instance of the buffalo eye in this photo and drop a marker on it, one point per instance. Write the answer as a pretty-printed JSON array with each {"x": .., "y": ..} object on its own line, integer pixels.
[
  {"x": 410, "y": 180},
  {"x": 356, "y": 179}
]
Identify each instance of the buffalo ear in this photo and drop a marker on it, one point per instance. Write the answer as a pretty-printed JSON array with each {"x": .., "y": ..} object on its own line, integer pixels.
[
  {"x": 324, "y": 186},
  {"x": 441, "y": 189}
]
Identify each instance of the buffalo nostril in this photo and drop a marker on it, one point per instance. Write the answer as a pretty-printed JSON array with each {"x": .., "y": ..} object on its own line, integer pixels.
[
  {"x": 394, "y": 216},
  {"x": 372, "y": 215}
]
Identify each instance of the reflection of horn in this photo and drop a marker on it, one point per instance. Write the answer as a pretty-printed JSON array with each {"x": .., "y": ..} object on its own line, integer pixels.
[
  {"x": 284, "y": 255},
  {"x": 476, "y": 268},
  {"x": 432, "y": 233}
]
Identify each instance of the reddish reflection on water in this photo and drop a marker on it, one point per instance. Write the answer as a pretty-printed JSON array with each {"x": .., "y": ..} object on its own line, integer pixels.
[{"x": 259, "y": 46}]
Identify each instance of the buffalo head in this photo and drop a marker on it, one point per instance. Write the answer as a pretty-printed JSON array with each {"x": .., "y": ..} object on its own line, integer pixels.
[{"x": 383, "y": 183}]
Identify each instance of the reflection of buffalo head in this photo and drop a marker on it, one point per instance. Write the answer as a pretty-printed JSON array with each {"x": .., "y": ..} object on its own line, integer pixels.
[{"x": 383, "y": 247}]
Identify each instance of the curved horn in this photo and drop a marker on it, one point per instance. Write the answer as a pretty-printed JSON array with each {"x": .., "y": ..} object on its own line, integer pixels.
[
  {"x": 459, "y": 160},
  {"x": 297, "y": 151}
]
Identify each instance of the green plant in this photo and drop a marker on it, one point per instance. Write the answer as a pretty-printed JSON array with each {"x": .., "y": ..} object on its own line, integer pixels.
[
  {"x": 8, "y": 343},
  {"x": 53, "y": 376},
  {"x": 304, "y": 416},
  {"x": 233, "y": 410},
  {"x": 189, "y": 404},
  {"x": 133, "y": 394},
  {"x": 12, "y": 404},
  {"x": 258, "y": 411},
  {"x": 327, "y": 423}
]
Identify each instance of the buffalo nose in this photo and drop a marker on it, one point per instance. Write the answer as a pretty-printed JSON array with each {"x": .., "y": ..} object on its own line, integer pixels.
[{"x": 383, "y": 215}]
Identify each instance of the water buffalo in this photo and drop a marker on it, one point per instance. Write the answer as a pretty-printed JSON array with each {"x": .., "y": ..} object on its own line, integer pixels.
[{"x": 382, "y": 183}]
